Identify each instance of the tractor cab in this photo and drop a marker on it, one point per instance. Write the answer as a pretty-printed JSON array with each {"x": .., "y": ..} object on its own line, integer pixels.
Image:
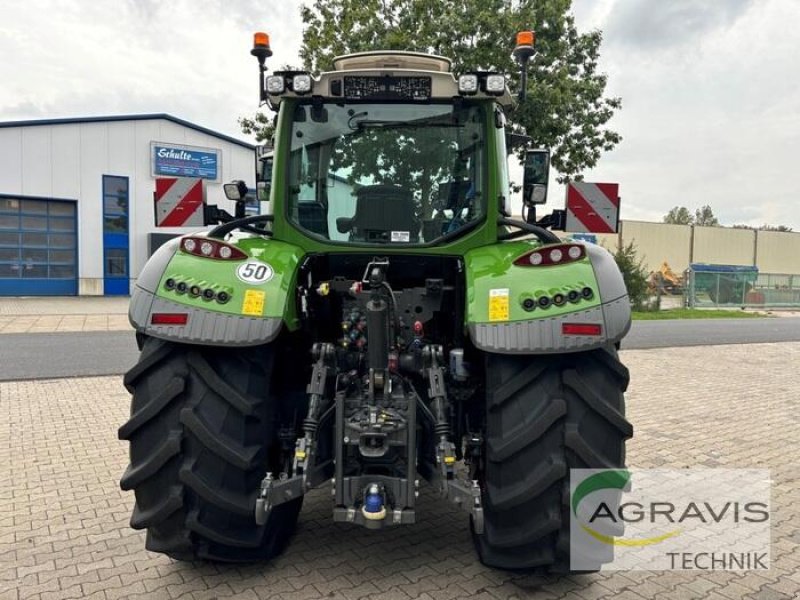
[{"x": 389, "y": 148}]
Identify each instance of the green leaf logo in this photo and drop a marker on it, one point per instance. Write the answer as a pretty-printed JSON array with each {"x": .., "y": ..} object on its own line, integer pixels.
[{"x": 614, "y": 480}]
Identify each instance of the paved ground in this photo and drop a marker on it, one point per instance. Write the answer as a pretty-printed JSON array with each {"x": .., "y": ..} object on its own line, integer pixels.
[
  {"x": 63, "y": 305},
  {"x": 704, "y": 332},
  {"x": 63, "y": 519},
  {"x": 61, "y": 314},
  {"x": 48, "y": 355}
]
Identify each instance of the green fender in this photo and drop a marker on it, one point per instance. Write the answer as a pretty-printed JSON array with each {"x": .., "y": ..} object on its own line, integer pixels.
[
  {"x": 254, "y": 311},
  {"x": 511, "y": 309}
]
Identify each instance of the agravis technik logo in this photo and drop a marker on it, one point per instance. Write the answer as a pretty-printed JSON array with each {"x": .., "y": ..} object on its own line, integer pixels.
[{"x": 706, "y": 519}]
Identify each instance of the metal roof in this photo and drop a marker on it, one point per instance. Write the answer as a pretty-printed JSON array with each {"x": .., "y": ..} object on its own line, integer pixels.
[{"x": 113, "y": 118}]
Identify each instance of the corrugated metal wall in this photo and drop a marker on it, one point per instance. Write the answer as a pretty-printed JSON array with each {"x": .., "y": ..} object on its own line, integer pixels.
[
  {"x": 680, "y": 245},
  {"x": 658, "y": 242},
  {"x": 778, "y": 252},
  {"x": 723, "y": 246}
]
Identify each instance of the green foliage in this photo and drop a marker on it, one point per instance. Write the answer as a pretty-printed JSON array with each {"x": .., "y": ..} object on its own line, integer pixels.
[
  {"x": 764, "y": 227},
  {"x": 634, "y": 275},
  {"x": 566, "y": 109},
  {"x": 704, "y": 217},
  {"x": 679, "y": 215},
  {"x": 260, "y": 125}
]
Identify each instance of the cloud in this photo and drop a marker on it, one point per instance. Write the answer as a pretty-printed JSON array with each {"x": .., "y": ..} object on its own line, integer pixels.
[
  {"x": 711, "y": 118},
  {"x": 660, "y": 23},
  {"x": 186, "y": 57}
]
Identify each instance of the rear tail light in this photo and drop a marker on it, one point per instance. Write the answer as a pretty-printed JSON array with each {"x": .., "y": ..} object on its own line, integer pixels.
[
  {"x": 551, "y": 255},
  {"x": 169, "y": 319},
  {"x": 208, "y": 248},
  {"x": 581, "y": 329}
]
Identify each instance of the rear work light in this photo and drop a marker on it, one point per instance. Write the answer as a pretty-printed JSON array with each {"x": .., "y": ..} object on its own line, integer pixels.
[
  {"x": 547, "y": 256},
  {"x": 169, "y": 319},
  {"x": 581, "y": 329},
  {"x": 468, "y": 83},
  {"x": 208, "y": 248}
]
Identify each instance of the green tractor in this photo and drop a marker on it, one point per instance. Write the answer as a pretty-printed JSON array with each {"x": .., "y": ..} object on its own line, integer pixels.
[{"x": 386, "y": 322}]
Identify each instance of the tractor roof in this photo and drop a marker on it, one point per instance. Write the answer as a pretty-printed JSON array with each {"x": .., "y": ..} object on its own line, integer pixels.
[{"x": 394, "y": 67}]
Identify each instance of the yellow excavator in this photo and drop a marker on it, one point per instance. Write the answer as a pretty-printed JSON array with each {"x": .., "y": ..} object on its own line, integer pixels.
[{"x": 665, "y": 281}]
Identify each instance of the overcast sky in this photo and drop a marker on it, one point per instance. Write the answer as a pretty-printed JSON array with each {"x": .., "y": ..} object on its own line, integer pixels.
[{"x": 711, "y": 101}]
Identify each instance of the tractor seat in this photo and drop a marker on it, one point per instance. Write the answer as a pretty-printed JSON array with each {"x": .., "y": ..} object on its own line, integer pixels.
[{"x": 384, "y": 213}]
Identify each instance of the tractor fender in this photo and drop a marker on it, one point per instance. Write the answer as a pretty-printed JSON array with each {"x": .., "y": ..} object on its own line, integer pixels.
[
  {"x": 254, "y": 311},
  {"x": 497, "y": 289}
]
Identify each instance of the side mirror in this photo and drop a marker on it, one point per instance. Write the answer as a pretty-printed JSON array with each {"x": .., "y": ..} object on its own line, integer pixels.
[
  {"x": 264, "y": 160},
  {"x": 535, "y": 177},
  {"x": 235, "y": 190},
  {"x": 344, "y": 224},
  {"x": 262, "y": 191}
]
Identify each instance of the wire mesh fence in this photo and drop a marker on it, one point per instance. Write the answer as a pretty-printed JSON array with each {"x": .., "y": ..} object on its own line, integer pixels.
[{"x": 729, "y": 286}]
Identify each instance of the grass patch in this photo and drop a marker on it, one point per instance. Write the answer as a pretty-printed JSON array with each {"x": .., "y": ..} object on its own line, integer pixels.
[{"x": 694, "y": 313}]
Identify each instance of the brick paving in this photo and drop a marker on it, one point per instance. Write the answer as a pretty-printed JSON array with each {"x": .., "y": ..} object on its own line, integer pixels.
[
  {"x": 63, "y": 314},
  {"x": 64, "y": 522}
]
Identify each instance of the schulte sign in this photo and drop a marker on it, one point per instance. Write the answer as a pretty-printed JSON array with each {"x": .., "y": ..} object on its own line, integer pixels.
[{"x": 185, "y": 161}]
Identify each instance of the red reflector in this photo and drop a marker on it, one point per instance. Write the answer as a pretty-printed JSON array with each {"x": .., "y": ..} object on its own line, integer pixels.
[
  {"x": 169, "y": 319},
  {"x": 581, "y": 329}
]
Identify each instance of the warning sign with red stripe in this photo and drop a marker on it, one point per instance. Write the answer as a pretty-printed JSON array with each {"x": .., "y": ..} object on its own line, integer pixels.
[
  {"x": 592, "y": 207},
  {"x": 179, "y": 202}
]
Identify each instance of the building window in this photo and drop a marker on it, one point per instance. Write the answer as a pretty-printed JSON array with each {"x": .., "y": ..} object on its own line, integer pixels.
[{"x": 115, "y": 204}]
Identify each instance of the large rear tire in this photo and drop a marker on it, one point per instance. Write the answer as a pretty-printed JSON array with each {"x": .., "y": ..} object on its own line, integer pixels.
[
  {"x": 203, "y": 433},
  {"x": 545, "y": 416}
]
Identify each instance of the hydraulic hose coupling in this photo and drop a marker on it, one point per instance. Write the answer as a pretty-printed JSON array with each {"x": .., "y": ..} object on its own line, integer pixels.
[{"x": 373, "y": 509}]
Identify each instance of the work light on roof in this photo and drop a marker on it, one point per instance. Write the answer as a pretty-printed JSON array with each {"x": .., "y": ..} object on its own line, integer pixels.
[
  {"x": 301, "y": 84},
  {"x": 468, "y": 84},
  {"x": 275, "y": 84},
  {"x": 495, "y": 84}
]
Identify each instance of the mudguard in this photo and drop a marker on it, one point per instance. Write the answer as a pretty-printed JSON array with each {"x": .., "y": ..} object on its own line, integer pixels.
[
  {"x": 255, "y": 309},
  {"x": 497, "y": 317}
]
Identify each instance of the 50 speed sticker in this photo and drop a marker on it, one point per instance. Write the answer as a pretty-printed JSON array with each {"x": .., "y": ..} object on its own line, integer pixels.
[{"x": 254, "y": 271}]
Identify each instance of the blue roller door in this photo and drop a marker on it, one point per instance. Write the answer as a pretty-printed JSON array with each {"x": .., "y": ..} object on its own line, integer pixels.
[{"x": 38, "y": 247}]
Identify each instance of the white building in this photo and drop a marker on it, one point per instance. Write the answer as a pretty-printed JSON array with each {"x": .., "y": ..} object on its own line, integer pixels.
[{"x": 76, "y": 196}]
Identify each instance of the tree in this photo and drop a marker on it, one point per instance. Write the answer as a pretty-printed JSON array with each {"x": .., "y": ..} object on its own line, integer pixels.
[
  {"x": 566, "y": 109},
  {"x": 705, "y": 217},
  {"x": 260, "y": 126},
  {"x": 679, "y": 215},
  {"x": 634, "y": 275},
  {"x": 764, "y": 227}
]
